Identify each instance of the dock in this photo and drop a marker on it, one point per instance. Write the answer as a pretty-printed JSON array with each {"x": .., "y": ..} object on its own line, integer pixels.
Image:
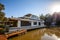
[{"x": 15, "y": 33}]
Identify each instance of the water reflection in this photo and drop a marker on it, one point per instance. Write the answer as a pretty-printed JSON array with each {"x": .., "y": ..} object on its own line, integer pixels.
[
  {"x": 49, "y": 37},
  {"x": 40, "y": 34}
]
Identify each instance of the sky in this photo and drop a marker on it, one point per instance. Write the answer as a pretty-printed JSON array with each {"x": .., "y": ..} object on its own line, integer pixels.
[{"x": 19, "y": 8}]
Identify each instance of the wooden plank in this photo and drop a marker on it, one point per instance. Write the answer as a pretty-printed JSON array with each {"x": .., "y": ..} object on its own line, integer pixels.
[{"x": 15, "y": 33}]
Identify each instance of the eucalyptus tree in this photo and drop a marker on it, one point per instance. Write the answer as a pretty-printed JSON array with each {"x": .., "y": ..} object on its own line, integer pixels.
[
  {"x": 48, "y": 19},
  {"x": 2, "y": 14},
  {"x": 1, "y": 7}
]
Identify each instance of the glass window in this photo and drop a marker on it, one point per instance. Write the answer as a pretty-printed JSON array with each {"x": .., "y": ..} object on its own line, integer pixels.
[
  {"x": 35, "y": 23},
  {"x": 39, "y": 23}
]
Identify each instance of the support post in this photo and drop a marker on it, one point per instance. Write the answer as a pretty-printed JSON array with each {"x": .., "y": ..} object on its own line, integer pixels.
[
  {"x": 31, "y": 23},
  {"x": 19, "y": 23},
  {"x": 37, "y": 23}
]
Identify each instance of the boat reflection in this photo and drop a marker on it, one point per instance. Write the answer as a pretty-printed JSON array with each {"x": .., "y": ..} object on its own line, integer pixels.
[{"x": 40, "y": 34}]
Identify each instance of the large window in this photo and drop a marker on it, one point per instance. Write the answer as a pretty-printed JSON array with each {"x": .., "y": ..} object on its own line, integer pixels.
[
  {"x": 34, "y": 17},
  {"x": 35, "y": 23},
  {"x": 25, "y": 23}
]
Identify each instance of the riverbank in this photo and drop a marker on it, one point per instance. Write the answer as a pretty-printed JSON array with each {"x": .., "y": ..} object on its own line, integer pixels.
[{"x": 2, "y": 37}]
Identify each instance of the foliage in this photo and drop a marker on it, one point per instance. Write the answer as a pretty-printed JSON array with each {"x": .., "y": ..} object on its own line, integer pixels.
[
  {"x": 42, "y": 17},
  {"x": 56, "y": 18},
  {"x": 2, "y": 15},
  {"x": 3, "y": 18},
  {"x": 2, "y": 26},
  {"x": 48, "y": 19},
  {"x": 2, "y": 31},
  {"x": 1, "y": 7}
]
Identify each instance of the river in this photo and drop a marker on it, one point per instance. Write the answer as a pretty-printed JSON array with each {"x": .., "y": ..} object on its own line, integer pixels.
[{"x": 37, "y": 34}]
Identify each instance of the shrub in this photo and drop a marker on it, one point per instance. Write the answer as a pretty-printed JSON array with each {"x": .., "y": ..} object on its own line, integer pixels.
[
  {"x": 2, "y": 26},
  {"x": 2, "y": 31}
]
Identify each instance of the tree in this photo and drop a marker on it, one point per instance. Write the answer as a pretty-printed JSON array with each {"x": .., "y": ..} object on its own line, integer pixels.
[
  {"x": 48, "y": 19},
  {"x": 1, "y": 7},
  {"x": 42, "y": 17},
  {"x": 5, "y": 19},
  {"x": 2, "y": 14},
  {"x": 56, "y": 18}
]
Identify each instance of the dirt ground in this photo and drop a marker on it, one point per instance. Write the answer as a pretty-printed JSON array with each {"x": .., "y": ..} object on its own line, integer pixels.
[
  {"x": 37, "y": 34},
  {"x": 2, "y": 37}
]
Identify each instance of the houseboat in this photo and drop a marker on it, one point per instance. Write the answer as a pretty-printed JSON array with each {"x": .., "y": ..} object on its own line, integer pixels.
[{"x": 28, "y": 21}]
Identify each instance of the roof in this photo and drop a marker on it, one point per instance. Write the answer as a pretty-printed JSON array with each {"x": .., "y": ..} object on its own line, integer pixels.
[
  {"x": 28, "y": 15},
  {"x": 21, "y": 17}
]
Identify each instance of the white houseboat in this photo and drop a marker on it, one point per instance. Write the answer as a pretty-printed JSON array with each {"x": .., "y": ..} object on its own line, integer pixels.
[{"x": 28, "y": 21}]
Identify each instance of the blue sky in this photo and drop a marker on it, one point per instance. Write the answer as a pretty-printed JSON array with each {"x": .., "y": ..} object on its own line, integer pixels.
[{"x": 18, "y": 8}]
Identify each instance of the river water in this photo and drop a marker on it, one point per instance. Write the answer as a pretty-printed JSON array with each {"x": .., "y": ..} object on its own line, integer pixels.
[{"x": 39, "y": 34}]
